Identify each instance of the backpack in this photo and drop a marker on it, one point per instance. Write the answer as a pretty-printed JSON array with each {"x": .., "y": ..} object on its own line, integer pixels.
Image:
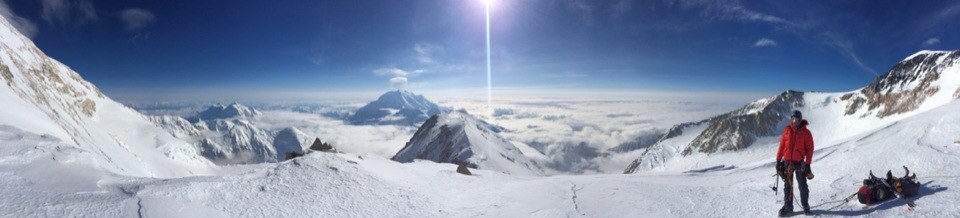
[
  {"x": 874, "y": 190},
  {"x": 906, "y": 186}
]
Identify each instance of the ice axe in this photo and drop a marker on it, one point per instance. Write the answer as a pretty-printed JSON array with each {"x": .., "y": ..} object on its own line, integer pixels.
[{"x": 776, "y": 183}]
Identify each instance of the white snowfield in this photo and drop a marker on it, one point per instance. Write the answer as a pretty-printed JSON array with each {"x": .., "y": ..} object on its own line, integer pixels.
[{"x": 46, "y": 177}]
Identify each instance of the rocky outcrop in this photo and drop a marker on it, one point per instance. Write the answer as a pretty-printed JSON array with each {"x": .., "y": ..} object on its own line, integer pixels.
[
  {"x": 905, "y": 86},
  {"x": 321, "y": 146},
  {"x": 462, "y": 169},
  {"x": 740, "y": 128}
]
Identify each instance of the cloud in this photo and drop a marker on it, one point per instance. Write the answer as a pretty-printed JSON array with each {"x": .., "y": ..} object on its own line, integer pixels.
[
  {"x": 725, "y": 10},
  {"x": 845, "y": 47},
  {"x": 398, "y": 82},
  {"x": 398, "y": 76},
  {"x": 765, "y": 42},
  {"x": 381, "y": 140},
  {"x": 68, "y": 12},
  {"x": 136, "y": 18},
  {"x": 25, "y": 26},
  {"x": 931, "y": 42},
  {"x": 425, "y": 52}
]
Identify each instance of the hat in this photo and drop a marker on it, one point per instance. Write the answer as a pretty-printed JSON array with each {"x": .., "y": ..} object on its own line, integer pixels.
[{"x": 797, "y": 114}]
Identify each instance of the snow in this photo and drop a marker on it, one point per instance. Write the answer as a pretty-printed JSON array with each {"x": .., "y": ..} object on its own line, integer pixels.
[
  {"x": 923, "y": 52},
  {"x": 337, "y": 185}
]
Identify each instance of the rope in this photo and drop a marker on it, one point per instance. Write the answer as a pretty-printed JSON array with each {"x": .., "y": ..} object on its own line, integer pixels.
[
  {"x": 940, "y": 177},
  {"x": 841, "y": 201}
]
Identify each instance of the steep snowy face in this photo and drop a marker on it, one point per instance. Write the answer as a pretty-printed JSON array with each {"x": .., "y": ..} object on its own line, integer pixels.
[
  {"x": 228, "y": 135},
  {"x": 921, "y": 82},
  {"x": 908, "y": 84},
  {"x": 460, "y": 138},
  {"x": 43, "y": 96},
  {"x": 220, "y": 111},
  {"x": 399, "y": 107}
]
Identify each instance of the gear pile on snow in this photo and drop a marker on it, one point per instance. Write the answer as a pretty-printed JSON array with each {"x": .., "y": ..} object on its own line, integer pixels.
[{"x": 876, "y": 190}]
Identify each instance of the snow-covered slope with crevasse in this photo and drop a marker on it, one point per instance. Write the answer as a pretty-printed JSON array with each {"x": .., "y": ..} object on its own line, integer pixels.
[
  {"x": 52, "y": 179},
  {"x": 923, "y": 81},
  {"x": 227, "y": 134},
  {"x": 43, "y": 96},
  {"x": 460, "y": 138},
  {"x": 400, "y": 107}
]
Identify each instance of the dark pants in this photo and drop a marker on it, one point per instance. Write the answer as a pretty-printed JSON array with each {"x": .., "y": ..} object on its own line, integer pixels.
[{"x": 794, "y": 169}]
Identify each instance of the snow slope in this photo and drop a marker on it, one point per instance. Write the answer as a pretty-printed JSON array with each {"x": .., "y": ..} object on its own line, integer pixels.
[
  {"x": 41, "y": 95},
  {"x": 923, "y": 81},
  {"x": 460, "y": 138},
  {"x": 339, "y": 185},
  {"x": 400, "y": 107}
]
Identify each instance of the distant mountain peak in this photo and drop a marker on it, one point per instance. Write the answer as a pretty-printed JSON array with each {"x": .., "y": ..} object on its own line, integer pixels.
[
  {"x": 400, "y": 107},
  {"x": 221, "y": 111}
]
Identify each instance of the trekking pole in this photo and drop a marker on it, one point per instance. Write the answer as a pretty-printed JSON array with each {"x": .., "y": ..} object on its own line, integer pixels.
[{"x": 776, "y": 184}]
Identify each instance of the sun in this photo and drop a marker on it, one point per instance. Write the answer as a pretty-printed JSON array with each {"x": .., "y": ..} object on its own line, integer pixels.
[{"x": 488, "y": 3}]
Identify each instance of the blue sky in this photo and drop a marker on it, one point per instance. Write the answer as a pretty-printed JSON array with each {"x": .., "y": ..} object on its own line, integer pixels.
[{"x": 152, "y": 47}]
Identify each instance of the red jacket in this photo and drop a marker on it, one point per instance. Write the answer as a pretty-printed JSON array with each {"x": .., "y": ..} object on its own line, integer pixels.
[{"x": 796, "y": 144}]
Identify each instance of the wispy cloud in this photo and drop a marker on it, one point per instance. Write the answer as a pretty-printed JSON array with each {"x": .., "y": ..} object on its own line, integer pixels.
[
  {"x": 68, "y": 12},
  {"x": 25, "y": 26},
  {"x": 136, "y": 18},
  {"x": 765, "y": 42},
  {"x": 931, "y": 42},
  {"x": 425, "y": 52},
  {"x": 726, "y": 10},
  {"x": 845, "y": 47}
]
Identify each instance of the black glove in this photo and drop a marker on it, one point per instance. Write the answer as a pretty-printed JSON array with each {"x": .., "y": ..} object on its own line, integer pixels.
[
  {"x": 805, "y": 167},
  {"x": 781, "y": 166}
]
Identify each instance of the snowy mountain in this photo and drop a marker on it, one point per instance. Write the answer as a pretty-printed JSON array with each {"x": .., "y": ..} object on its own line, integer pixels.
[
  {"x": 226, "y": 134},
  {"x": 460, "y": 138},
  {"x": 921, "y": 82},
  {"x": 220, "y": 111},
  {"x": 400, "y": 107},
  {"x": 42, "y": 96}
]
